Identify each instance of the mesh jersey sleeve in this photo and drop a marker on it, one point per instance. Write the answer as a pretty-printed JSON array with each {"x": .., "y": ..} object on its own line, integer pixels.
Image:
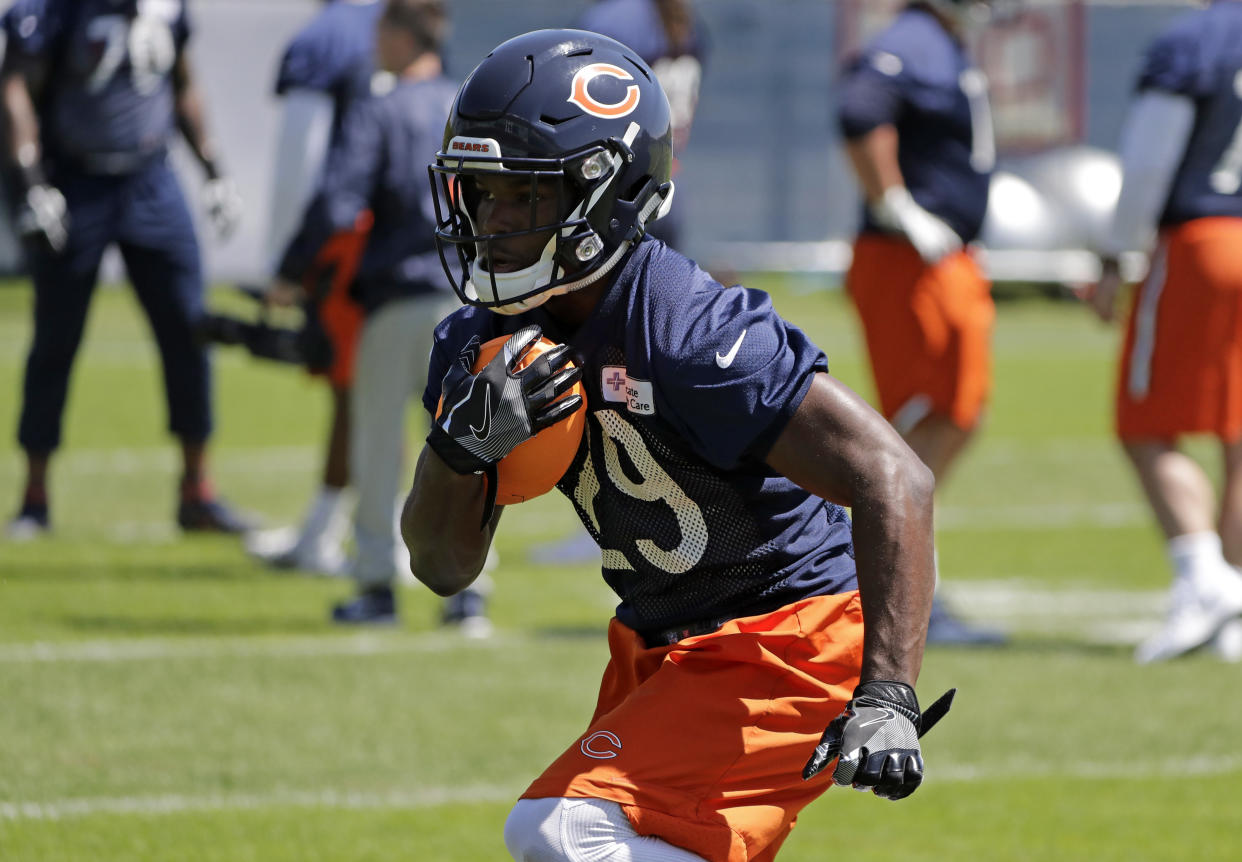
[
  {"x": 1171, "y": 64},
  {"x": 735, "y": 377},
  {"x": 312, "y": 62},
  {"x": 32, "y": 27},
  {"x": 870, "y": 94}
]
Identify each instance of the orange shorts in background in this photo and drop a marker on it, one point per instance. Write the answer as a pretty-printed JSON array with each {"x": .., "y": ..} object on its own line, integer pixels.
[
  {"x": 1181, "y": 364},
  {"x": 329, "y": 282},
  {"x": 703, "y": 742},
  {"x": 928, "y": 330}
]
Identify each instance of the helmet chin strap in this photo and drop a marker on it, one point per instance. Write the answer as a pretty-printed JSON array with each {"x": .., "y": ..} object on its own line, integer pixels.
[{"x": 530, "y": 277}]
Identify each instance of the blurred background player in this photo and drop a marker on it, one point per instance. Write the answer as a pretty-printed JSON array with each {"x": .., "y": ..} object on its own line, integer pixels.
[
  {"x": 1181, "y": 363},
  {"x": 671, "y": 39},
  {"x": 326, "y": 68},
  {"x": 379, "y": 163},
  {"x": 914, "y": 113},
  {"x": 93, "y": 92}
]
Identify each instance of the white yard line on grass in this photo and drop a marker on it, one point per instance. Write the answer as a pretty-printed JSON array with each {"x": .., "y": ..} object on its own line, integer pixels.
[
  {"x": 435, "y": 797},
  {"x": 1096, "y": 615},
  {"x": 158, "y": 649}
]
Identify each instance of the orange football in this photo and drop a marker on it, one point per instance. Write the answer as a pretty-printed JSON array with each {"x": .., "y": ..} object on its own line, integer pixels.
[{"x": 535, "y": 466}]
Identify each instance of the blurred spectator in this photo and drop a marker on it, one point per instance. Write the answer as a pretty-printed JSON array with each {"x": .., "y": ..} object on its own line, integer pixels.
[
  {"x": 92, "y": 92},
  {"x": 1181, "y": 362},
  {"x": 914, "y": 114},
  {"x": 379, "y": 163},
  {"x": 328, "y": 66}
]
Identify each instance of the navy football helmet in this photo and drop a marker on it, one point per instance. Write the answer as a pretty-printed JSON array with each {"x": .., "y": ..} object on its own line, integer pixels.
[{"x": 567, "y": 108}]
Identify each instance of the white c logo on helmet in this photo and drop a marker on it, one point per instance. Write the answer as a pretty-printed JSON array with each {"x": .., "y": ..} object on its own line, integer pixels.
[
  {"x": 608, "y": 111},
  {"x": 601, "y": 745}
]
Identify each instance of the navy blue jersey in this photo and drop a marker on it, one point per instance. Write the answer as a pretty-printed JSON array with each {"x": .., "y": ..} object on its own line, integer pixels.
[
  {"x": 1200, "y": 57},
  {"x": 334, "y": 53},
  {"x": 917, "y": 77},
  {"x": 107, "y": 105},
  {"x": 688, "y": 385},
  {"x": 379, "y": 162}
]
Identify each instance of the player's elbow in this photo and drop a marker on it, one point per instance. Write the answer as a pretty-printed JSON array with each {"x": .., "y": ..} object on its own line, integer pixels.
[
  {"x": 919, "y": 482},
  {"x": 902, "y": 480},
  {"x": 439, "y": 573}
]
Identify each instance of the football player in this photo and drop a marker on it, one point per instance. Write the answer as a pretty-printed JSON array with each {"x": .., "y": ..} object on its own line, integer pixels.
[
  {"x": 378, "y": 164},
  {"x": 327, "y": 66},
  {"x": 93, "y": 92},
  {"x": 914, "y": 113},
  {"x": 717, "y": 456},
  {"x": 1181, "y": 362}
]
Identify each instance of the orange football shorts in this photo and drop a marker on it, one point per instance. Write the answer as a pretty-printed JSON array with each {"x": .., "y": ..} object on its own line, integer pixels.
[
  {"x": 702, "y": 743},
  {"x": 928, "y": 330},
  {"x": 1181, "y": 365},
  {"x": 330, "y": 279}
]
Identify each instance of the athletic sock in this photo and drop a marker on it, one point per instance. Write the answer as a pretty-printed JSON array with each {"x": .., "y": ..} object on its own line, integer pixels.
[
  {"x": 325, "y": 520},
  {"x": 1196, "y": 555}
]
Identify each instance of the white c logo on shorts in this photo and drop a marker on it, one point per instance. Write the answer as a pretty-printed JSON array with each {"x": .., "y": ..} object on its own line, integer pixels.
[
  {"x": 601, "y": 745},
  {"x": 609, "y": 111}
]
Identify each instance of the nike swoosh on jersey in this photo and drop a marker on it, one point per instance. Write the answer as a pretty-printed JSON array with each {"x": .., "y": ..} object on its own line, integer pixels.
[
  {"x": 727, "y": 360},
  {"x": 482, "y": 431}
]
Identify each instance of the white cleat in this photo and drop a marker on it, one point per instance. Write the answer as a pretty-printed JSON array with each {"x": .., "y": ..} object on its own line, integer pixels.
[
  {"x": 1198, "y": 610},
  {"x": 285, "y": 548},
  {"x": 1227, "y": 645}
]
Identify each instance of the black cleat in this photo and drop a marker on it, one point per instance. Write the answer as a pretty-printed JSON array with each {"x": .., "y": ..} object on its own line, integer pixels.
[
  {"x": 30, "y": 522},
  {"x": 375, "y": 607},
  {"x": 947, "y": 629},
  {"x": 211, "y": 516}
]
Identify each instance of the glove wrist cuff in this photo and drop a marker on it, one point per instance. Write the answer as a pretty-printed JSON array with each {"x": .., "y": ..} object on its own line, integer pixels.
[
  {"x": 459, "y": 459},
  {"x": 891, "y": 693}
]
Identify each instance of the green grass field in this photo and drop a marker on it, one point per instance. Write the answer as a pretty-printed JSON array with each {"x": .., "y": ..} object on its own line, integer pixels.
[{"x": 163, "y": 698}]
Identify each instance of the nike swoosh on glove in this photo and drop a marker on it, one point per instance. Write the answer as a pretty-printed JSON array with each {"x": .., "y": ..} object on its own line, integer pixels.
[
  {"x": 876, "y": 740},
  {"x": 488, "y": 414}
]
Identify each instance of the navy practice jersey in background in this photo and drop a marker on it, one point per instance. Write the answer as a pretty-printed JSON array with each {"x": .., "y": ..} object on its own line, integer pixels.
[
  {"x": 379, "y": 162},
  {"x": 107, "y": 106},
  {"x": 333, "y": 54},
  {"x": 917, "y": 77},
  {"x": 688, "y": 385},
  {"x": 1200, "y": 57}
]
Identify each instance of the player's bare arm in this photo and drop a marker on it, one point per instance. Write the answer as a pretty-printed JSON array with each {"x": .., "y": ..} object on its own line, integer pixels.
[
  {"x": 450, "y": 515},
  {"x": 20, "y": 117},
  {"x": 190, "y": 116},
  {"x": 440, "y": 525},
  {"x": 838, "y": 447},
  {"x": 220, "y": 197},
  {"x": 874, "y": 157}
]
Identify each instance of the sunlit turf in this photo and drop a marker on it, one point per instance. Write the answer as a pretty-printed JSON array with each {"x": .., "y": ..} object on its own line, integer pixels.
[{"x": 164, "y": 698}]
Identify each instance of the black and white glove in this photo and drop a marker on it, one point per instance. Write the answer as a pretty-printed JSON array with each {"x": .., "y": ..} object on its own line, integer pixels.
[
  {"x": 223, "y": 205},
  {"x": 486, "y": 415},
  {"x": 897, "y": 210},
  {"x": 876, "y": 740},
  {"x": 43, "y": 218}
]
